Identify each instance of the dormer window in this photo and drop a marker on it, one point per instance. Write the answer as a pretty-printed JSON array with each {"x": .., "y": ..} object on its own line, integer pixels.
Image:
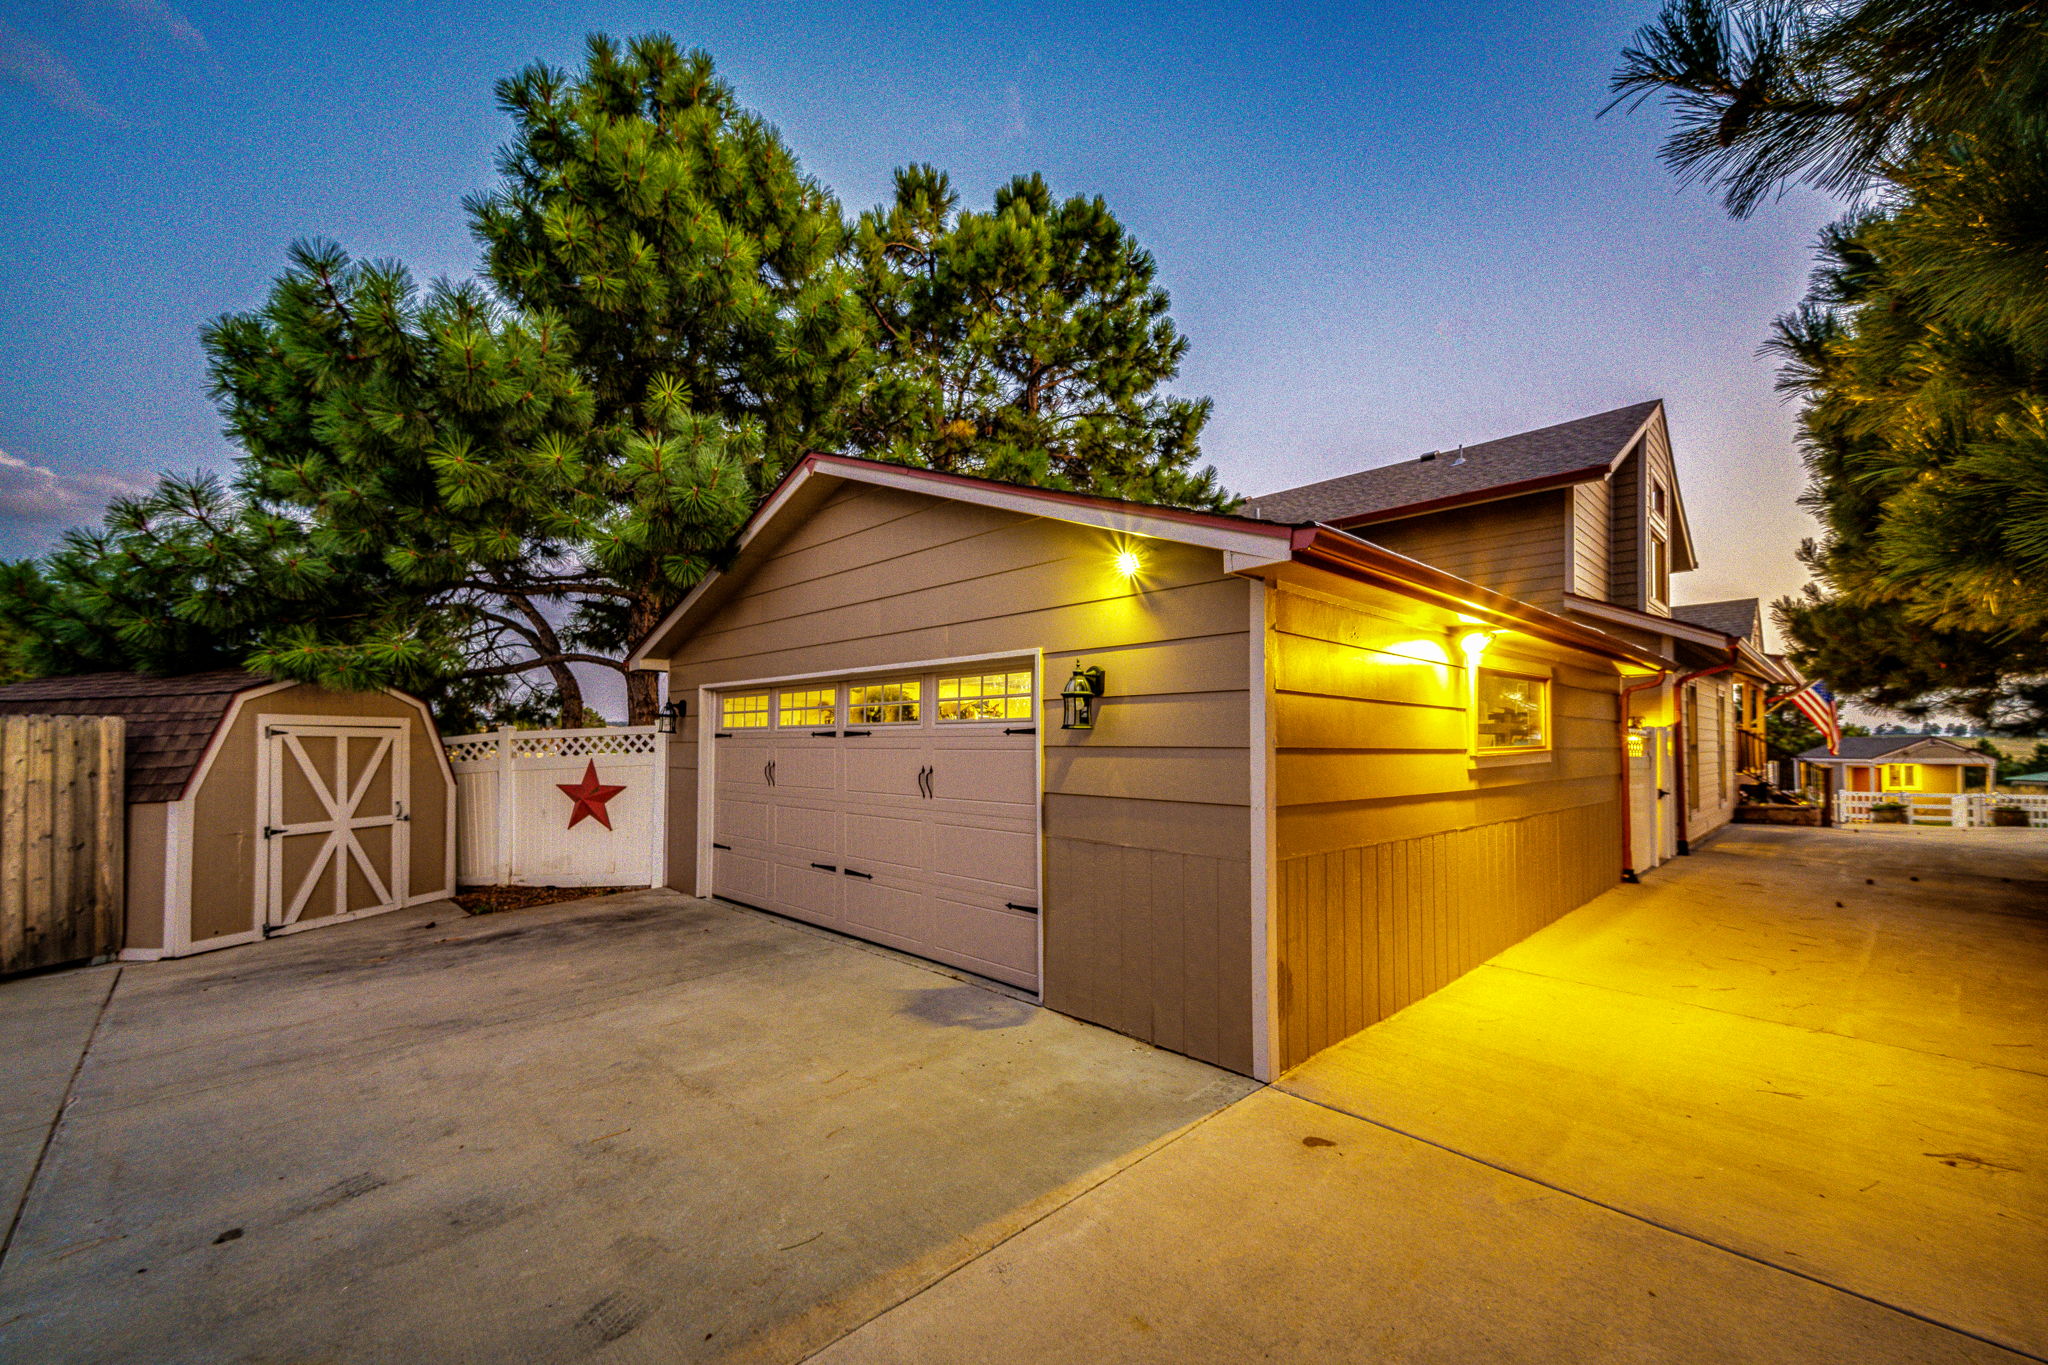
[{"x": 1657, "y": 500}]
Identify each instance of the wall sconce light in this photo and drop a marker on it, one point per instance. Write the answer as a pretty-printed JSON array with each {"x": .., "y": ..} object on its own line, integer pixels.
[
  {"x": 1129, "y": 562},
  {"x": 1474, "y": 643},
  {"x": 1078, "y": 698},
  {"x": 669, "y": 719}
]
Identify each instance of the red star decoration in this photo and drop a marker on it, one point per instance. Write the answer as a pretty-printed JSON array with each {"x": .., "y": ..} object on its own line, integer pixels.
[{"x": 589, "y": 796}]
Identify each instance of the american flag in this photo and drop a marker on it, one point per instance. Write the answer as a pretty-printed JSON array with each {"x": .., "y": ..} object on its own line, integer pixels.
[{"x": 1817, "y": 704}]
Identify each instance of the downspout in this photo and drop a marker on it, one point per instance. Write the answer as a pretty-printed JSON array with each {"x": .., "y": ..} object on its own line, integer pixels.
[
  {"x": 1678, "y": 773},
  {"x": 1628, "y": 840}
]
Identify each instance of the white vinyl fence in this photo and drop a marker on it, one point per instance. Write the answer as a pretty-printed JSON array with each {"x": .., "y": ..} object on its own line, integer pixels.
[
  {"x": 1971, "y": 810},
  {"x": 512, "y": 816}
]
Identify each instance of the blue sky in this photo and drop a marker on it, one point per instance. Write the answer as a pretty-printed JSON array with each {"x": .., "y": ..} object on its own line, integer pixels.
[{"x": 1386, "y": 228}]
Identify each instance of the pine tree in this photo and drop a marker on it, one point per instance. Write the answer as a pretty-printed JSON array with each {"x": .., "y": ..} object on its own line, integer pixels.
[
  {"x": 1921, "y": 352},
  {"x": 1028, "y": 343}
]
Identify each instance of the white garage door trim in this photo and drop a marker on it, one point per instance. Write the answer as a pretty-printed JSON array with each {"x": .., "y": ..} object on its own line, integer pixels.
[{"x": 707, "y": 755}]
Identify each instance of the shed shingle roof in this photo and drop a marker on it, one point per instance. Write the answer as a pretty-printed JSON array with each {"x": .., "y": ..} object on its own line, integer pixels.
[
  {"x": 1737, "y": 616},
  {"x": 1863, "y": 748},
  {"x": 170, "y": 720},
  {"x": 1585, "y": 446}
]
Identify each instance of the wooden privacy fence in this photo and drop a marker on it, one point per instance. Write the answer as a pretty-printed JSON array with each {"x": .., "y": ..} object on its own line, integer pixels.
[
  {"x": 516, "y": 825},
  {"x": 62, "y": 821}
]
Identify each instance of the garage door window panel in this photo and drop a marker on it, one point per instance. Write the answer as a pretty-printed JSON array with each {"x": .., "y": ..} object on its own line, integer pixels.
[
  {"x": 985, "y": 697},
  {"x": 808, "y": 708},
  {"x": 886, "y": 703},
  {"x": 743, "y": 711}
]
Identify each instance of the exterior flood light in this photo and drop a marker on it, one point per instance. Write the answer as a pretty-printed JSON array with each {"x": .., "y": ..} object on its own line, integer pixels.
[
  {"x": 1129, "y": 563},
  {"x": 1078, "y": 698},
  {"x": 670, "y": 719}
]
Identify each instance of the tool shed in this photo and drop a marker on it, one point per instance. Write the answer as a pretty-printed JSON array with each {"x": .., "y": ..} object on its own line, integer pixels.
[{"x": 258, "y": 808}]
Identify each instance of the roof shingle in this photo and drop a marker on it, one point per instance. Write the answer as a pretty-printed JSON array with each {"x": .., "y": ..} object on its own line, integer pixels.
[
  {"x": 1737, "y": 616},
  {"x": 1863, "y": 748},
  {"x": 1585, "y": 446},
  {"x": 170, "y": 720}
]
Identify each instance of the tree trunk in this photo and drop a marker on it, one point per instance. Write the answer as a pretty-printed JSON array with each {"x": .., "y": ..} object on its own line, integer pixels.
[
  {"x": 643, "y": 686},
  {"x": 567, "y": 687},
  {"x": 571, "y": 690}
]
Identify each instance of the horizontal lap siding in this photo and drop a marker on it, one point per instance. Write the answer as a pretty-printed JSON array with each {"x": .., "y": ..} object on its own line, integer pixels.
[
  {"x": 1399, "y": 864},
  {"x": 1519, "y": 546},
  {"x": 1146, "y": 900}
]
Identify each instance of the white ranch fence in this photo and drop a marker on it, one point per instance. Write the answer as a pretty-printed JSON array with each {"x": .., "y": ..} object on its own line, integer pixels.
[
  {"x": 512, "y": 816},
  {"x": 1970, "y": 810}
]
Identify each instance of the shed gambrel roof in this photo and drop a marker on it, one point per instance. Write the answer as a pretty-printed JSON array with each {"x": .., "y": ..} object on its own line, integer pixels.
[
  {"x": 1582, "y": 449},
  {"x": 1737, "y": 616},
  {"x": 170, "y": 721},
  {"x": 1871, "y": 748}
]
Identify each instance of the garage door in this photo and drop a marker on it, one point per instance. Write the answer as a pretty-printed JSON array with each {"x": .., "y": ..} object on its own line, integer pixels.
[{"x": 899, "y": 808}]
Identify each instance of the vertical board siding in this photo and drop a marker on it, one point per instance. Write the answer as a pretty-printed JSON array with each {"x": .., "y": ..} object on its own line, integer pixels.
[
  {"x": 1592, "y": 533},
  {"x": 1625, "y": 555},
  {"x": 1370, "y": 930},
  {"x": 62, "y": 836},
  {"x": 1146, "y": 902}
]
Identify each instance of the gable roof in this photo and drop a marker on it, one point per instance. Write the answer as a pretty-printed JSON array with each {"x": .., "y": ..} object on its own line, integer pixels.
[
  {"x": 1245, "y": 543},
  {"x": 1866, "y": 748},
  {"x": 169, "y": 720},
  {"x": 1738, "y": 616},
  {"x": 1571, "y": 452}
]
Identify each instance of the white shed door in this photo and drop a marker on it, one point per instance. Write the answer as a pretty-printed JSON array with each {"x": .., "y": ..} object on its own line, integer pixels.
[
  {"x": 888, "y": 809},
  {"x": 334, "y": 836}
]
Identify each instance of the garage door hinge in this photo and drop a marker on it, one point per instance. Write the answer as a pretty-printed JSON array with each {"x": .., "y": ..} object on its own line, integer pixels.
[
  {"x": 1027, "y": 909},
  {"x": 824, "y": 734},
  {"x": 1022, "y": 730},
  {"x": 864, "y": 876},
  {"x": 726, "y": 847},
  {"x": 272, "y": 830},
  {"x": 851, "y": 733},
  {"x": 825, "y": 867}
]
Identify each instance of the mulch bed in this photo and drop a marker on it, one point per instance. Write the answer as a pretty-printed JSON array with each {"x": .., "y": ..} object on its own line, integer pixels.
[{"x": 490, "y": 900}]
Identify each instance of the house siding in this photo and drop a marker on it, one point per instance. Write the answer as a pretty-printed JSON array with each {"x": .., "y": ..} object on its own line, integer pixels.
[
  {"x": 1592, "y": 538},
  {"x": 1520, "y": 546},
  {"x": 1146, "y": 902},
  {"x": 1625, "y": 553},
  {"x": 1399, "y": 864}
]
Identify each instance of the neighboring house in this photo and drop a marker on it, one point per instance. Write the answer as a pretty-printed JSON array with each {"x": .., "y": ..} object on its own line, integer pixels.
[
  {"x": 1904, "y": 764},
  {"x": 1323, "y": 779},
  {"x": 259, "y": 808},
  {"x": 1585, "y": 519},
  {"x": 2028, "y": 780}
]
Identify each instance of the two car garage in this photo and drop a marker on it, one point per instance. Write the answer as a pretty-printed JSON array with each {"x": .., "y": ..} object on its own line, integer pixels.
[{"x": 899, "y": 807}]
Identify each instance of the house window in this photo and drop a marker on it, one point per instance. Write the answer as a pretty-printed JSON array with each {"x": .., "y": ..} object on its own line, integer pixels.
[
  {"x": 1657, "y": 499},
  {"x": 745, "y": 711},
  {"x": 987, "y": 696},
  {"x": 1512, "y": 712},
  {"x": 1902, "y": 777},
  {"x": 813, "y": 707},
  {"x": 889, "y": 703},
  {"x": 1660, "y": 569}
]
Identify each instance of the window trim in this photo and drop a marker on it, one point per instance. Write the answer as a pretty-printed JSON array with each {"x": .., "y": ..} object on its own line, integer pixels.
[{"x": 1527, "y": 671}]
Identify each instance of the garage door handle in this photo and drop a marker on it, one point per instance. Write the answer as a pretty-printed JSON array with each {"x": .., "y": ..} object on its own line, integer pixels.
[
  {"x": 768, "y": 772},
  {"x": 824, "y": 867},
  {"x": 1027, "y": 909},
  {"x": 864, "y": 876},
  {"x": 924, "y": 779}
]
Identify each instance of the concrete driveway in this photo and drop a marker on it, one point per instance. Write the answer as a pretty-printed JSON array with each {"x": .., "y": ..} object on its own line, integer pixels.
[
  {"x": 640, "y": 1128},
  {"x": 1785, "y": 1102},
  {"x": 1782, "y": 1103}
]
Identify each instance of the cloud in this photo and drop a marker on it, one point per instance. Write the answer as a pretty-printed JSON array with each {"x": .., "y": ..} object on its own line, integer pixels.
[
  {"x": 33, "y": 495},
  {"x": 156, "y": 19},
  {"x": 29, "y": 62}
]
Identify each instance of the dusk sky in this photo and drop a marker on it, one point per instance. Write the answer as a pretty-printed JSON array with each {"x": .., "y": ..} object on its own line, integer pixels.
[{"x": 1386, "y": 228}]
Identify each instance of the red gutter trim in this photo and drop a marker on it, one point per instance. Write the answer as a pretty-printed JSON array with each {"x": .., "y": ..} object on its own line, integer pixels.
[
  {"x": 1340, "y": 552},
  {"x": 1492, "y": 494}
]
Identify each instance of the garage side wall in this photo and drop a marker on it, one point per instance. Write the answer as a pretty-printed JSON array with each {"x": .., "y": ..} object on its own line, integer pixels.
[
  {"x": 226, "y": 827},
  {"x": 1400, "y": 864},
  {"x": 1146, "y": 895}
]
